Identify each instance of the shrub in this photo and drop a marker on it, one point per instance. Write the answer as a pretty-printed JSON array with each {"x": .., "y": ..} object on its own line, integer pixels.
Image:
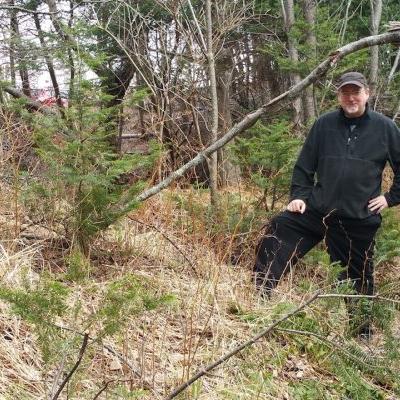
[
  {"x": 266, "y": 157},
  {"x": 80, "y": 184}
]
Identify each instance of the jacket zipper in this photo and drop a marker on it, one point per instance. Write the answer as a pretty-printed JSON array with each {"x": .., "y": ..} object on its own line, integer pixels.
[{"x": 348, "y": 142}]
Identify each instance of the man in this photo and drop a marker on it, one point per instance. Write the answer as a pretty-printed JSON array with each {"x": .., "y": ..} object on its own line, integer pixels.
[{"x": 336, "y": 192}]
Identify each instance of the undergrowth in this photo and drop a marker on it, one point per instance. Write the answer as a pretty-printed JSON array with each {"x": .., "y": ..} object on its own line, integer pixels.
[{"x": 180, "y": 308}]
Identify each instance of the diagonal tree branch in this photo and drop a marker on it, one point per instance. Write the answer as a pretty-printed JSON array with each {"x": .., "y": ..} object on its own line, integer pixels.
[
  {"x": 239, "y": 348},
  {"x": 24, "y": 10},
  {"x": 273, "y": 327},
  {"x": 278, "y": 102},
  {"x": 75, "y": 367}
]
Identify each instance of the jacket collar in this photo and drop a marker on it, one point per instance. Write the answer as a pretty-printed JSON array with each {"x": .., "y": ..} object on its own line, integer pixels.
[{"x": 366, "y": 115}]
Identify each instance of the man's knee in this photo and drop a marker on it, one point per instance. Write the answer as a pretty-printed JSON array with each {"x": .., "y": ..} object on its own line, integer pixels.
[{"x": 270, "y": 241}]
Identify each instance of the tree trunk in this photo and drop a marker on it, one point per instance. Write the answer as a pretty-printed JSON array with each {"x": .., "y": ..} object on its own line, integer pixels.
[
  {"x": 19, "y": 53},
  {"x": 212, "y": 160},
  {"x": 309, "y": 9},
  {"x": 343, "y": 28},
  {"x": 289, "y": 19},
  {"x": 49, "y": 64},
  {"x": 71, "y": 91},
  {"x": 376, "y": 12},
  {"x": 227, "y": 172},
  {"x": 394, "y": 67},
  {"x": 12, "y": 49},
  {"x": 268, "y": 82}
]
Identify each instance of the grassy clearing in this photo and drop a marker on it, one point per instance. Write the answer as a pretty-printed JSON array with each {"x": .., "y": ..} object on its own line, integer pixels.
[{"x": 160, "y": 299}]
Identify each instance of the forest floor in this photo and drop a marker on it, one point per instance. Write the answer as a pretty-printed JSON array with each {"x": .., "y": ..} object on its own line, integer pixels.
[{"x": 191, "y": 307}]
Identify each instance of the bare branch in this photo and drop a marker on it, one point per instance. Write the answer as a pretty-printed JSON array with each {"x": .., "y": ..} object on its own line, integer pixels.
[
  {"x": 274, "y": 326},
  {"x": 115, "y": 353},
  {"x": 196, "y": 22},
  {"x": 331, "y": 343},
  {"x": 278, "y": 102},
  {"x": 25, "y": 10},
  {"x": 239, "y": 348},
  {"x": 359, "y": 296},
  {"x": 75, "y": 367},
  {"x": 394, "y": 67},
  {"x": 128, "y": 55}
]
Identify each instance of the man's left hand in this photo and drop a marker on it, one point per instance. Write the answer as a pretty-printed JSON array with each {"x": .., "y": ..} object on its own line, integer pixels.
[{"x": 377, "y": 204}]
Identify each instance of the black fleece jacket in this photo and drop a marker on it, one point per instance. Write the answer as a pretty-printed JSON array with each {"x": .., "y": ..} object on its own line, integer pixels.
[{"x": 340, "y": 166}]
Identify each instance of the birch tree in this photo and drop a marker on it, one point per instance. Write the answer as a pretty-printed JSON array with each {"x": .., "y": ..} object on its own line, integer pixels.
[
  {"x": 213, "y": 161},
  {"x": 309, "y": 10},
  {"x": 376, "y": 13},
  {"x": 293, "y": 54}
]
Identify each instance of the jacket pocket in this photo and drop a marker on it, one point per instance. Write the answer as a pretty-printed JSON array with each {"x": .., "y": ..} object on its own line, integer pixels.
[
  {"x": 327, "y": 191},
  {"x": 361, "y": 182}
]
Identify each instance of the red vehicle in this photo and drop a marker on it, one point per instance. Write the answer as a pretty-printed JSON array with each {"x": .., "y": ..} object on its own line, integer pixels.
[{"x": 47, "y": 97}]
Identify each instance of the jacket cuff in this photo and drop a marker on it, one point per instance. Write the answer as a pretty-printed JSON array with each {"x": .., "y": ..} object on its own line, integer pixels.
[{"x": 389, "y": 199}]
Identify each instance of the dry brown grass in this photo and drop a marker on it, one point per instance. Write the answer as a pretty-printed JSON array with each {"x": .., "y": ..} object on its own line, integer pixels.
[{"x": 215, "y": 309}]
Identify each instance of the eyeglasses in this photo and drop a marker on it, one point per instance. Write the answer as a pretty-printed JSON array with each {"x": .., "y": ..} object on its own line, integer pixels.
[{"x": 352, "y": 92}]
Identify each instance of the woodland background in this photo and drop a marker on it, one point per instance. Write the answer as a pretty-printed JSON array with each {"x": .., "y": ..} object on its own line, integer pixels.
[{"x": 122, "y": 273}]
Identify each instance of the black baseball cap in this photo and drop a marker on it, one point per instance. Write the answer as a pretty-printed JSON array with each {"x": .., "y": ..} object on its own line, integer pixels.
[{"x": 352, "y": 78}]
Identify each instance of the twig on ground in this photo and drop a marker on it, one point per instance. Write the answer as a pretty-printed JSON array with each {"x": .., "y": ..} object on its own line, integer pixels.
[
  {"x": 146, "y": 385},
  {"x": 331, "y": 343},
  {"x": 239, "y": 348},
  {"x": 316, "y": 296},
  {"x": 75, "y": 367},
  {"x": 102, "y": 389},
  {"x": 359, "y": 296}
]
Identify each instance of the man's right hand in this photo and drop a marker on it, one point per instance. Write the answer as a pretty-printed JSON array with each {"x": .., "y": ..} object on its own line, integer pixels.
[{"x": 298, "y": 206}]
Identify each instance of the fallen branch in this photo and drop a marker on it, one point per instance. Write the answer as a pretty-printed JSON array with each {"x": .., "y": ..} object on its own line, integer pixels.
[
  {"x": 146, "y": 385},
  {"x": 31, "y": 104},
  {"x": 104, "y": 388},
  {"x": 75, "y": 367},
  {"x": 360, "y": 296},
  {"x": 337, "y": 346},
  {"x": 24, "y": 10},
  {"x": 270, "y": 328},
  {"x": 278, "y": 102},
  {"x": 239, "y": 348}
]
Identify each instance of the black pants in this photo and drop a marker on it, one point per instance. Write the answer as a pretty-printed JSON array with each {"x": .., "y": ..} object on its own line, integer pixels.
[{"x": 291, "y": 235}]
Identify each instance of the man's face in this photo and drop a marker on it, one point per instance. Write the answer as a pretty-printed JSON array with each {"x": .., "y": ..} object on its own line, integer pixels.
[{"x": 353, "y": 99}]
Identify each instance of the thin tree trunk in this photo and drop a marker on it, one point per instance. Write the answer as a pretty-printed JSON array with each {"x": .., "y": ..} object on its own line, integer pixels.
[
  {"x": 345, "y": 21},
  {"x": 394, "y": 67},
  {"x": 71, "y": 57},
  {"x": 12, "y": 48},
  {"x": 289, "y": 20},
  {"x": 224, "y": 70},
  {"x": 309, "y": 9},
  {"x": 213, "y": 160},
  {"x": 49, "y": 64},
  {"x": 376, "y": 12},
  {"x": 20, "y": 53},
  {"x": 267, "y": 75}
]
